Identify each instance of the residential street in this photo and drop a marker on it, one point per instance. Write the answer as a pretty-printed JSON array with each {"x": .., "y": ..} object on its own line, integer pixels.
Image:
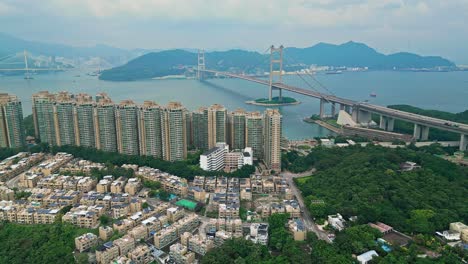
[{"x": 308, "y": 220}]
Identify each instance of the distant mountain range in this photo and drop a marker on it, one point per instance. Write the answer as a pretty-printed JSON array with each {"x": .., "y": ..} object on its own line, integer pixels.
[
  {"x": 353, "y": 54},
  {"x": 350, "y": 54},
  {"x": 110, "y": 55},
  {"x": 143, "y": 64}
]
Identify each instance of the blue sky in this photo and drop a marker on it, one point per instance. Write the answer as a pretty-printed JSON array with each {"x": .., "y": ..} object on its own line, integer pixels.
[{"x": 426, "y": 27}]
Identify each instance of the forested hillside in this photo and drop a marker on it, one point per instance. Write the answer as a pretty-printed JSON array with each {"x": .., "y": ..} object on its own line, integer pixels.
[{"x": 367, "y": 182}]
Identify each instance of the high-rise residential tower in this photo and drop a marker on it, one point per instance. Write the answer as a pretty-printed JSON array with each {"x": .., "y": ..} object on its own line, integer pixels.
[
  {"x": 173, "y": 130},
  {"x": 84, "y": 121},
  {"x": 272, "y": 138},
  {"x": 127, "y": 127},
  {"x": 11, "y": 122},
  {"x": 43, "y": 115},
  {"x": 105, "y": 130},
  {"x": 237, "y": 129},
  {"x": 200, "y": 128},
  {"x": 254, "y": 133},
  {"x": 217, "y": 117},
  {"x": 64, "y": 119},
  {"x": 149, "y": 125},
  {"x": 188, "y": 129}
]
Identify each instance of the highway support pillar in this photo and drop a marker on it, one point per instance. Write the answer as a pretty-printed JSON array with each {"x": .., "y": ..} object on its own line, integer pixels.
[
  {"x": 363, "y": 117},
  {"x": 383, "y": 122},
  {"x": 463, "y": 142},
  {"x": 342, "y": 107},
  {"x": 354, "y": 115},
  {"x": 424, "y": 133},
  {"x": 322, "y": 108},
  {"x": 417, "y": 132},
  {"x": 390, "y": 124},
  {"x": 386, "y": 123},
  {"x": 348, "y": 109},
  {"x": 420, "y": 132},
  {"x": 333, "y": 109}
]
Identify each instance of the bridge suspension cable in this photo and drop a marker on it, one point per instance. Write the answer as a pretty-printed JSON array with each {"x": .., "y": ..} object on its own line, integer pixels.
[
  {"x": 263, "y": 61},
  {"x": 312, "y": 76},
  {"x": 310, "y": 85}
]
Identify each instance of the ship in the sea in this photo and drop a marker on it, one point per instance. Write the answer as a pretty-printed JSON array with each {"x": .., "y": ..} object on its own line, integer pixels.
[
  {"x": 334, "y": 72},
  {"x": 373, "y": 94}
]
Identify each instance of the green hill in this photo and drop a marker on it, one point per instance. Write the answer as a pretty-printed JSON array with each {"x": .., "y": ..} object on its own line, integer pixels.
[{"x": 173, "y": 62}]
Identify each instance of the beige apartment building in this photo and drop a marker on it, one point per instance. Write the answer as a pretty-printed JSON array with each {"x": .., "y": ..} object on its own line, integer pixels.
[
  {"x": 85, "y": 242},
  {"x": 217, "y": 120},
  {"x": 105, "y": 255},
  {"x": 125, "y": 244},
  {"x": 141, "y": 255}
]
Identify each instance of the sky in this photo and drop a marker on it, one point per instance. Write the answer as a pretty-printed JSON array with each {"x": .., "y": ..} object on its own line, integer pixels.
[{"x": 425, "y": 27}]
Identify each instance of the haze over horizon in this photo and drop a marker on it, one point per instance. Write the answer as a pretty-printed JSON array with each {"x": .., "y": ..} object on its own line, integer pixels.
[{"x": 424, "y": 27}]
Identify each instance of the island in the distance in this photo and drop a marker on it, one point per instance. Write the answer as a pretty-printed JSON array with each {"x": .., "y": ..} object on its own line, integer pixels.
[{"x": 275, "y": 101}]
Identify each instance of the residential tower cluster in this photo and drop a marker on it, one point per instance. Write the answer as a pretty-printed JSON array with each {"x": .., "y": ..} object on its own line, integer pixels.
[{"x": 149, "y": 129}]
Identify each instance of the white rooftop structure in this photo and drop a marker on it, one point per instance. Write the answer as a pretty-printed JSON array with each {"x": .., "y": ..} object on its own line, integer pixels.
[{"x": 366, "y": 257}]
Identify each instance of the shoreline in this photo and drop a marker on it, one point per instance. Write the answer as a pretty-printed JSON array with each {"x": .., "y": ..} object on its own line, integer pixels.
[
  {"x": 279, "y": 104},
  {"x": 324, "y": 124}
]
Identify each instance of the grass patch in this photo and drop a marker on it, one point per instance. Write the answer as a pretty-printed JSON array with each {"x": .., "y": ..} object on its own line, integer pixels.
[
  {"x": 302, "y": 180},
  {"x": 304, "y": 147}
]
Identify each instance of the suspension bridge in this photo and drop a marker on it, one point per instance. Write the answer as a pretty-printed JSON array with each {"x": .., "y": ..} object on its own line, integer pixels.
[
  {"x": 360, "y": 111},
  {"x": 23, "y": 65}
]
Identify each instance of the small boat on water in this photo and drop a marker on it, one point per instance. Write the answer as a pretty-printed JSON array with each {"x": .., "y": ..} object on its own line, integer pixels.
[
  {"x": 373, "y": 94},
  {"x": 334, "y": 72}
]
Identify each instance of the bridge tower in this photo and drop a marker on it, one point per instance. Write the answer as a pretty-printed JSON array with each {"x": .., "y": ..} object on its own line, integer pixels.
[
  {"x": 26, "y": 75},
  {"x": 276, "y": 70},
  {"x": 201, "y": 64}
]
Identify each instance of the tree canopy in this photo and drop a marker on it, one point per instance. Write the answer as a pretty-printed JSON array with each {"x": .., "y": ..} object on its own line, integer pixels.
[
  {"x": 367, "y": 182},
  {"x": 52, "y": 243}
]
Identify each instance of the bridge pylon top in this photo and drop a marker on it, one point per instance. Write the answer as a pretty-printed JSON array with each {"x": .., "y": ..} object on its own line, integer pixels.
[
  {"x": 201, "y": 64},
  {"x": 276, "y": 68}
]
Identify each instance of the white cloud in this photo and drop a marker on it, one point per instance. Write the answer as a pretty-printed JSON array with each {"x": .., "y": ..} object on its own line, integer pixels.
[
  {"x": 316, "y": 13},
  {"x": 386, "y": 24},
  {"x": 6, "y": 9}
]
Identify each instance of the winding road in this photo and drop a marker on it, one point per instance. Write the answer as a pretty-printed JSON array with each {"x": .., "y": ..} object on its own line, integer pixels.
[{"x": 308, "y": 220}]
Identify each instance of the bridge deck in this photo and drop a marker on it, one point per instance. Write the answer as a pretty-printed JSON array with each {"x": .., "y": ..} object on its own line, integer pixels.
[{"x": 415, "y": 118}]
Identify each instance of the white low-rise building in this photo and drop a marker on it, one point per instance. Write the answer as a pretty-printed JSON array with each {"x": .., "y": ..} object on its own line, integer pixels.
[
  {"x": 337, "y": 222},
  {"x": 328, "y": 143},
  {"x": 248, "y": 156},
  {"x": 219, "y": 158},
  {"x": 213, "y": 159},
  {"x": 259, "y": 233},
  {"x": 367, "y": 256},
  {"x": 451, "y": 235}
]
